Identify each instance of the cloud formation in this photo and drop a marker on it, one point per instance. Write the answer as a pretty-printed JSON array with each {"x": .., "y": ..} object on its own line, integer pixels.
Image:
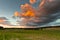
[
  {"x": 47, "y": 11},
  {"x": 32, "y": 1},
  {"x": 4, "y": 21}
]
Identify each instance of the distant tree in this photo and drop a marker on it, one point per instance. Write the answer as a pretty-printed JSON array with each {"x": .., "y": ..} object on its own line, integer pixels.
[{"x": 1, "y": 27}]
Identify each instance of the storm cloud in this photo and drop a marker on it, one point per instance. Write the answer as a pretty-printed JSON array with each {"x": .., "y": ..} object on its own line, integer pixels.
[{"x": 47, "y": 11}]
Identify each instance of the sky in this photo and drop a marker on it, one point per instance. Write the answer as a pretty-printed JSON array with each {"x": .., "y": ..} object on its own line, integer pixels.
[{"x": 8, "y": 8}]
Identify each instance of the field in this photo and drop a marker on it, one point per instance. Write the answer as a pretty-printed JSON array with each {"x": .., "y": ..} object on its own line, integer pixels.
[{"x": 21, "y": 34}]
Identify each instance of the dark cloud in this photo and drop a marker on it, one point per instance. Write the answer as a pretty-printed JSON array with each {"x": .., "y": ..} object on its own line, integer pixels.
[
  {"x": 48, "y": 11},
  {"x": 3, "y": 18}
]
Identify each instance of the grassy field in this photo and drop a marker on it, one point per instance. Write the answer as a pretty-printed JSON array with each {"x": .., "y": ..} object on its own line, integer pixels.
[{"x": 20, "y": 34}]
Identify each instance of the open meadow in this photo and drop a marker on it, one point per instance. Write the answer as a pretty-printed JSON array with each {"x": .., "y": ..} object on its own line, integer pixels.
[{"x": 21, "y": 34}]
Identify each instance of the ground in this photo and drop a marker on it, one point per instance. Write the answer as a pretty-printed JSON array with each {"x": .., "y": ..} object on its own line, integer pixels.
[{"x": 21, "y": 34}]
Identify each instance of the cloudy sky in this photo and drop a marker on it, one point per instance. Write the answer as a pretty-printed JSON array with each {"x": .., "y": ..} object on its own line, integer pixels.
[{"x": 8, "y": 8}]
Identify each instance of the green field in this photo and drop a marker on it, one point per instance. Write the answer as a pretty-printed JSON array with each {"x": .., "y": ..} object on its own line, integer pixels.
[{"x": 20, "y": 34}]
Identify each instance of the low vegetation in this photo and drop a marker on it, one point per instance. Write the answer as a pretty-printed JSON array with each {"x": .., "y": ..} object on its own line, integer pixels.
[{"x": 22, "y": 34}]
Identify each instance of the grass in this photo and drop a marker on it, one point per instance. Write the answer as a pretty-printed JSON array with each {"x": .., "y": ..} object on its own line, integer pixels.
[{"x": 20, "y": 34}]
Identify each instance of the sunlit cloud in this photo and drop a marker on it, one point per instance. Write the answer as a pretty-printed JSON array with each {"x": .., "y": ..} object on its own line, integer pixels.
[{"x": 46, "y": 12}]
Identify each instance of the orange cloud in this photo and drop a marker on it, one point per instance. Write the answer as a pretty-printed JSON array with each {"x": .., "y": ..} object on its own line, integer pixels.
[
  {"x": 26, "y": 7},
  {"x": 42, "y": 3},
  {"x": 27, "y": 11},
  {"x": 16, "y": 13},
  {"x": 1, "y": 21},
  {"x": 32, "y": 1},
  {"x": 28, "y": 14}
]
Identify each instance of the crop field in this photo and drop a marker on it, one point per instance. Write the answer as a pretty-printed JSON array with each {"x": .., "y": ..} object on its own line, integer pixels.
[{"x": 21, "y": 34}]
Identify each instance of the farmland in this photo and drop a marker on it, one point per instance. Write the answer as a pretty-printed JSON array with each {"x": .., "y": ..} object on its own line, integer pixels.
[{"x": 21, "y": 34}]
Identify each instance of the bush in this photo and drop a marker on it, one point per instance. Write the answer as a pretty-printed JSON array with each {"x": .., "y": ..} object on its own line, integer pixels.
[{"x": 1, "y": 27}]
